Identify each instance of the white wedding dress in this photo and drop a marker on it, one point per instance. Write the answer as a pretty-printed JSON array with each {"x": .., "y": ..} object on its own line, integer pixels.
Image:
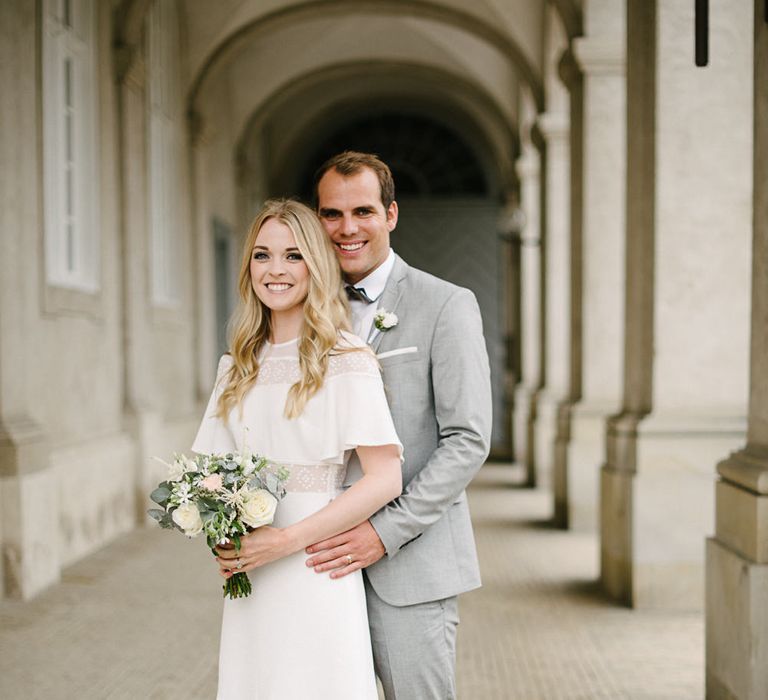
[{"x": 300, "y": 635}]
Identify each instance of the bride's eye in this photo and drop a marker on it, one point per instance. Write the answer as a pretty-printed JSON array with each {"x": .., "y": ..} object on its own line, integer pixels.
[
  {"x": 258, "y": 255},
  {"x": 295, "y": 256}
]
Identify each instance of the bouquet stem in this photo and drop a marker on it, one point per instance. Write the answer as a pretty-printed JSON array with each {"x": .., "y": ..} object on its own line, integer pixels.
[{"x": 237, "y": 586}]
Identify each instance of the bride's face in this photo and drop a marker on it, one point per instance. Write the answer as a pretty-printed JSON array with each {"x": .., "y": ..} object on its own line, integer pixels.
[{"x": 279, "y": 275}]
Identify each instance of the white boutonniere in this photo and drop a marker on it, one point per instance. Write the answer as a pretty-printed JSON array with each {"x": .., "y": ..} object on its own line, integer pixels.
[{"x": 384, "y": 320}]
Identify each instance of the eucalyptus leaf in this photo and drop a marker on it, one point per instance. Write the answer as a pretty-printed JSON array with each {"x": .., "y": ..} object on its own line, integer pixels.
[
  {"x": 160, "y": 495},
  {"x": 156, "y": 514},
  {"x": 208, "y": 502},
  {"x": 272, "y": 482}
]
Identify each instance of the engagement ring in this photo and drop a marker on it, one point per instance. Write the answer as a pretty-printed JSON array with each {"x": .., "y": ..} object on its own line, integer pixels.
[
  {"x": 349, "y": 559},
  {"x": 239, "y": 563}
]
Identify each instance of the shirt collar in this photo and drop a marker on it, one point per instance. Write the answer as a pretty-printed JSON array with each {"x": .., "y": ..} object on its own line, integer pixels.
[{"x": 375, "y": 282}]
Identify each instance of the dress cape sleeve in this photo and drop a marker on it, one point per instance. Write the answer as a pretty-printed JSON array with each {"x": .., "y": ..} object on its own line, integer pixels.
[
  {"x": 214, "y": 435},
  {"x": 357, "y": 410}
]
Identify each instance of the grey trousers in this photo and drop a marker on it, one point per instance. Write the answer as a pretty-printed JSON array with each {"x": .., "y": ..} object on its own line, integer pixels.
[{"x": 414, "y": 647}]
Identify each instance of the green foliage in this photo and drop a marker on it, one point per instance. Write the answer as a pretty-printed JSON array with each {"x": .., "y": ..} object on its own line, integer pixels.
[
  {"x": 161, "y": 494},
  {"x": 219, "y": 509}
]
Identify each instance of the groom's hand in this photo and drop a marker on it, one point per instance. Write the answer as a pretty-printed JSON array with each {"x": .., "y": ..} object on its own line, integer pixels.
[{"x": 351, "y": 550}]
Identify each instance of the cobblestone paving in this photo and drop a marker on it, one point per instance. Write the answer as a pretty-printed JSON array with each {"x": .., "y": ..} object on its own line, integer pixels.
[
  {"x": 539, "y": 629},
  {"x": 140, "y": 619}
]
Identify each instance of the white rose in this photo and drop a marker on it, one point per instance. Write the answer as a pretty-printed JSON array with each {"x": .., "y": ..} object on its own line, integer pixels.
[
  {"x": 389, "y": 320},
  {"x": 258, "y": 508},
  {"x": 187, "y": 517}
]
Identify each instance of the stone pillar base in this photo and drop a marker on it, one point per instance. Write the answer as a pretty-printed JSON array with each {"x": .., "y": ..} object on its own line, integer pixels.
[
  {"x": 654, "y": 519},
  {"x": 585, "y": 454},
  {"x": 736, "y": 621},
  {"x": 560, "y": 483},
  {"x": 545, "y": 429},
  {"x": 524, "y": 434},
  {"x": 616, "y": 534},
  {"x": 28, "y": 510}
]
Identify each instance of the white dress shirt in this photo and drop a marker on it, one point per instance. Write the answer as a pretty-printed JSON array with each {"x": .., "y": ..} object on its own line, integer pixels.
[{"x": 373, "y": 284}]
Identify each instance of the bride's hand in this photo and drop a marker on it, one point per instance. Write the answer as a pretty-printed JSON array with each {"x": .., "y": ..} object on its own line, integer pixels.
[{"x": 259, "y": 547}]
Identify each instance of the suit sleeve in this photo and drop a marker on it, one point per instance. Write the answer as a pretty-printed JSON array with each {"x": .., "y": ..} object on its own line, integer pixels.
[{"x": 460, "y": 378}]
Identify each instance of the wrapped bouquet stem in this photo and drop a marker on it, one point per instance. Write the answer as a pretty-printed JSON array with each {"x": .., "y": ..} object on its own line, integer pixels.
[{"x": 224, "y": 496}]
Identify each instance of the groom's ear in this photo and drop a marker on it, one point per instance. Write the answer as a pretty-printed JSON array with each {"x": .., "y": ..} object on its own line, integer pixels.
[{"x": 392, "y": 216}]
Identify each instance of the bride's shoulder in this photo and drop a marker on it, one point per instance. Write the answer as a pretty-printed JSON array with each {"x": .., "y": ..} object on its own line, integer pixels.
[
  {"x": 352, "y": 356},
  {"x": 349, "y": 341},
  {"x": 225, "y": 362}
]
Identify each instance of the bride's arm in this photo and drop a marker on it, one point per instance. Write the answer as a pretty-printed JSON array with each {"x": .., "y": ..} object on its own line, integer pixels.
[{"x": 381, "y": 482}]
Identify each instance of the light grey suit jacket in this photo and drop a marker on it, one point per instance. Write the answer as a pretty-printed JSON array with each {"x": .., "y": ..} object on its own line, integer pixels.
[{"x": 436, "y": 375}]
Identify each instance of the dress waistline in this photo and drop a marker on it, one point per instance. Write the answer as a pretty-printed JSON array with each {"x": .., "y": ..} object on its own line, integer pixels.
[{"x": 312, "y": 478}]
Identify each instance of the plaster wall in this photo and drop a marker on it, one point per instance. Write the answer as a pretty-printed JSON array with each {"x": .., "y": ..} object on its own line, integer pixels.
[
  {"x": 72, "y": 462},
  {"x": 703, "y": 214}
]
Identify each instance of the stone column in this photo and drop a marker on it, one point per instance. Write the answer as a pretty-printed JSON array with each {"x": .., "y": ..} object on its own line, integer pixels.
[
  {"x": 572, "y": 349},
  {"x": 601, "y": 57},
  {"x": 553, "y": 127},
  {"x": 737, "y": 556},
  {"x": 687, "y": 300},
  {"x": 30, "y": 558},
  {"x": 529, "y": 173}
]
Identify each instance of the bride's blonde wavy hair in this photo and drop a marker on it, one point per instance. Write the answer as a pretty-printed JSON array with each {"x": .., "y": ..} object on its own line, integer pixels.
[{"x": 325, "y": 311}]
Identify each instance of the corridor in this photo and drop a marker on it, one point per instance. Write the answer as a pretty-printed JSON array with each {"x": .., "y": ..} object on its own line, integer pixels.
[{"x": 140, "y": 618}]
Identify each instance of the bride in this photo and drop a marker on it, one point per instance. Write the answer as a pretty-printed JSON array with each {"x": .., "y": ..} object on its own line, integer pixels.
[{"x": 303, "y": 392}]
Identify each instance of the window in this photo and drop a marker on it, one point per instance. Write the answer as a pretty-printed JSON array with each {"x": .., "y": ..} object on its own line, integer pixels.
[
  {"x": 70, "y": 190},
  {"x": 165, "y": 130}
]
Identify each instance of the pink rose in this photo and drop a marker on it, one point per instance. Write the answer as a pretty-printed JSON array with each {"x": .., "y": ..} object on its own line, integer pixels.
[{"x": 212, "y": 482}]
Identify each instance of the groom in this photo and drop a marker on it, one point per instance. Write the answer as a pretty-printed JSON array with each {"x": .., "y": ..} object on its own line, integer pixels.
[{"x": 418, "y": 553}]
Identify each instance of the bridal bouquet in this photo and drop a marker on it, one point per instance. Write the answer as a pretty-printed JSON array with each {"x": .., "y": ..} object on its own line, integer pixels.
[{"x": 222, "y": 495}]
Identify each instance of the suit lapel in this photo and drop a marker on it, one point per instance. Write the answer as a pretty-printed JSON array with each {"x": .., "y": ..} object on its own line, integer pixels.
[{"x": 390, "y": 299}]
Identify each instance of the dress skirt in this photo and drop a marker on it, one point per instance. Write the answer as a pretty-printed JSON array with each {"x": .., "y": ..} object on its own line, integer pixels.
[{"x": 300, "y": 635}]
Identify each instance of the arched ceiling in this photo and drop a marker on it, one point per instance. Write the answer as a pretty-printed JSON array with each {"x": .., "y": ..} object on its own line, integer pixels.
[
  {"x": 513, "y": 28},
  {"x": 261, "y": 69}
]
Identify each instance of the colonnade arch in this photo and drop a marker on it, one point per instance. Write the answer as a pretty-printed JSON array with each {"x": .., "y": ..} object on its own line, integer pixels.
[{"x": 294, "y": 14}]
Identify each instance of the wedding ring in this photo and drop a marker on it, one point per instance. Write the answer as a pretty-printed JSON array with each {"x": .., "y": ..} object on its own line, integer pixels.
[
  {"x": 239, "y": 563},
  {"x": 349, "y": 559}
]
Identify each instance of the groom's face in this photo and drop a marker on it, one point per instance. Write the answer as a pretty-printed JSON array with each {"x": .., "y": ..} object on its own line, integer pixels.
[{"x": 355, "y": 219}]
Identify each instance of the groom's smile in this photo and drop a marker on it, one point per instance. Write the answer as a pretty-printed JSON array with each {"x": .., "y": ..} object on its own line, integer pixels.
[{"x": 351, "y": 247}]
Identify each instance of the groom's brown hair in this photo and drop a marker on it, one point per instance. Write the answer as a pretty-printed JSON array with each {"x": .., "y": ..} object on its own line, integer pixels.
[{"x": 351, "y": 163}]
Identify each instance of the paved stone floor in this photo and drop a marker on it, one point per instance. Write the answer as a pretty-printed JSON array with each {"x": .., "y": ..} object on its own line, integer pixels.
[{"x": 140, "y": 619}]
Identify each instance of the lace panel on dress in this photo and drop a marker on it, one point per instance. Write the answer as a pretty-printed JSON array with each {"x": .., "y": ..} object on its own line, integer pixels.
[
  {"x": 312, "y": 478},
  {"x": 286, "y": 370}
]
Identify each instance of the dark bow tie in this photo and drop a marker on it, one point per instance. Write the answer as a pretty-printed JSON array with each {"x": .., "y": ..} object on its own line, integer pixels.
[{"x": 358, "y": 294}]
